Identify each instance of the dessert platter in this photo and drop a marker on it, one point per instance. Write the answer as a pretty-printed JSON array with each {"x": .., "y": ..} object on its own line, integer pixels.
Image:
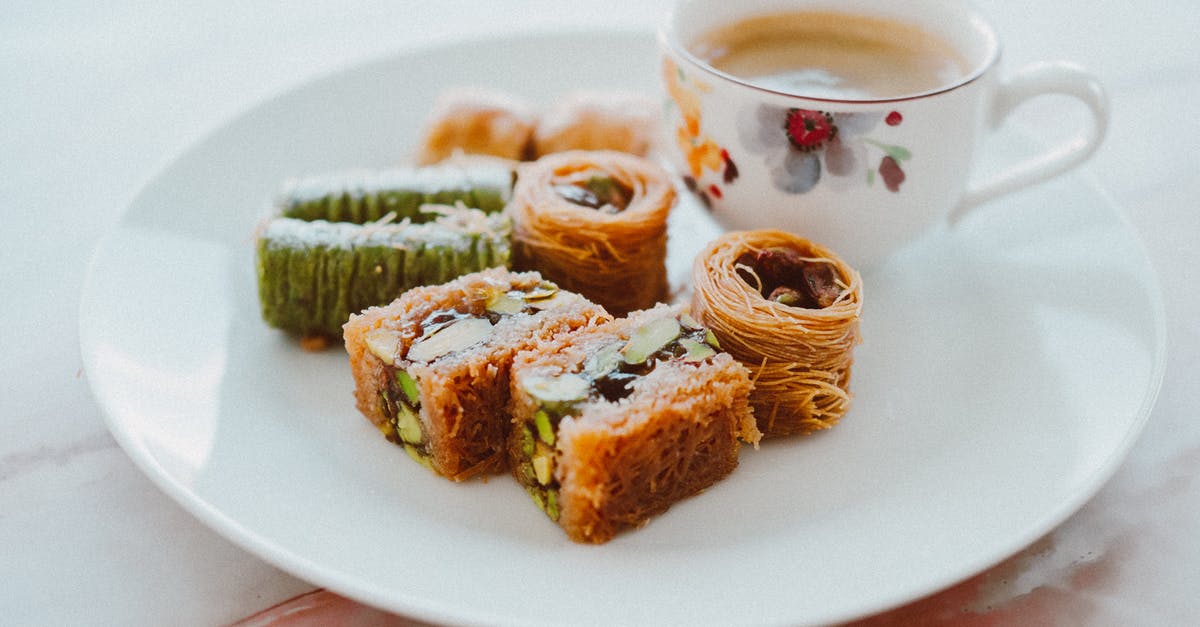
[{"x": 1001, "y": 371}]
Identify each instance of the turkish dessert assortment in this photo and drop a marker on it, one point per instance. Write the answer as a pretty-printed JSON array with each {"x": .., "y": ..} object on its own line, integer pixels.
[{"x": 502, "y": 303}]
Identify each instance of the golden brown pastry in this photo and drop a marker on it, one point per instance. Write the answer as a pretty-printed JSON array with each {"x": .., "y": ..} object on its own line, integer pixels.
[
  {"x": 476, "y": 121},
  {"x": 597, "y": 120}
]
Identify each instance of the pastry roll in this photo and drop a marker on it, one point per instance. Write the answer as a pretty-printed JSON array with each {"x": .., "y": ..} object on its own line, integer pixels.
[
  {"x": 431, "y": 369},
  {"x": 595, "y": 222},
  {"x": 366, "y": 196},
  {"x": 597, "y": 120},
  {"x": 614, "y": 423},
  {"x": 788, "y": 309},
  {"x": 313, "y": 274},
  {"x": 476, "y": 122}
]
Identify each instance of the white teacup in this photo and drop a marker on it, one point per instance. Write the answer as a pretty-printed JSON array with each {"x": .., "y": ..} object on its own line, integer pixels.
[{"x": 862, "y": 171}]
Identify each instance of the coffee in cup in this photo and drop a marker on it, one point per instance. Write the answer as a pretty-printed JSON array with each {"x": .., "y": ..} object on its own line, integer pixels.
[{"x": 831, "y": 55}]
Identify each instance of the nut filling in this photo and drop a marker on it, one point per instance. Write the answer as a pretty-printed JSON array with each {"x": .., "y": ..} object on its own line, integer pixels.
[
  {"x": 401, "y": 402},
  {"x": 602, "y": 193},
  {"x": 443, "y": 333},
  {"x": 607, "y": 374},
  {"x": 785, "y": 276}
]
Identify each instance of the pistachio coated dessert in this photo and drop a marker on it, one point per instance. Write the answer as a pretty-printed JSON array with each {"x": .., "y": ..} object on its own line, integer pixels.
[
  {"x": 366, "y": 196},
  {"x": 614, "y": 423},
  {"x": 431, "y": 369},
  {"x": 313, "y": 275}
]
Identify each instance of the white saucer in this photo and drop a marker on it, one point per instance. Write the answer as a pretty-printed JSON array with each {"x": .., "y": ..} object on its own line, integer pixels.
[{"x": 1006, "y": 370}]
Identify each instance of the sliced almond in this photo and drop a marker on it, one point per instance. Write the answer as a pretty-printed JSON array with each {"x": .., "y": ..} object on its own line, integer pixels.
[
  {"x": 508, "y": 304},
  {"x": 689, "y": 322},
  {"x": 545, "y": 289},
  {"x": 553, "y": 301},
  {"x": 603, "y": 361},
  {"x": 453, "y": 337},
  {"x": 382, "y": 343},
  {"x": 564, "y": 388}
]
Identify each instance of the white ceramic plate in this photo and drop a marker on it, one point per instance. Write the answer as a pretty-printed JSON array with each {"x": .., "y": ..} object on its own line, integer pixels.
[{"x": 1006, "y": 370}]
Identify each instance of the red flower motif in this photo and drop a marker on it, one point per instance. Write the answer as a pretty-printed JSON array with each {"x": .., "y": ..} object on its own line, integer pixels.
[
  {"x": 819, "y": 144},
  {"x": 892, "y": 175},
  {"x": 808, "y": 130}
]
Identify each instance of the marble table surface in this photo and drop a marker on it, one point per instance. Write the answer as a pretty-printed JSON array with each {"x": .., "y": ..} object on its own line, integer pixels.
[{"x": 99, "y": 96}]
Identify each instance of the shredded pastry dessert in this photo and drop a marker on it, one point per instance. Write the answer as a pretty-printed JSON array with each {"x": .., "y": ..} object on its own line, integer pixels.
[
  {"x": 789, "y": 310},
  {"x": 595, "y": 222}
]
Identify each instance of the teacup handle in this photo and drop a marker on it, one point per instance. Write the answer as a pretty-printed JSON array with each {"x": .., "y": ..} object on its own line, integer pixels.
[{"x": 1036, "y": 80}]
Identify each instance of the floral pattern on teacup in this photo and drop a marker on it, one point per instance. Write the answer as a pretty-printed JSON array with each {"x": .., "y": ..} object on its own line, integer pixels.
[
  {"x": 798, "y": 145},
  {"x": 699, "y": 150}
]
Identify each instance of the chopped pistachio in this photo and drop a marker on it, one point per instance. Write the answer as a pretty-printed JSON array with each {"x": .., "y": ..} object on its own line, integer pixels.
[
  {"x": 710, "y": 338},
  {"x": 408, "y": 425},
  {"x": 604, "y": 193},
  {"x": 417, "y": 456},
  {"x": 382, "y": 343},
  {"x": 610, "y": 191},
  {"x": 408, "y": 385},
  {"x": 526, "y": 469},
  {"x": 552, "y": 504},
  {"x": 385, "y": 404},
  {"x": 696, "y": 351},
  {"x": 526, "y": 440},
  {"x": 453, "y": 337},
  {"x": 545, "y": 430},
  {"x": 649, "y": 338},
  {"x": 537, "y": 497},
  {"x": 785, "y": 295},
  {"x": 543, "y": 465},
  {"x": 579, "y": 195}
]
